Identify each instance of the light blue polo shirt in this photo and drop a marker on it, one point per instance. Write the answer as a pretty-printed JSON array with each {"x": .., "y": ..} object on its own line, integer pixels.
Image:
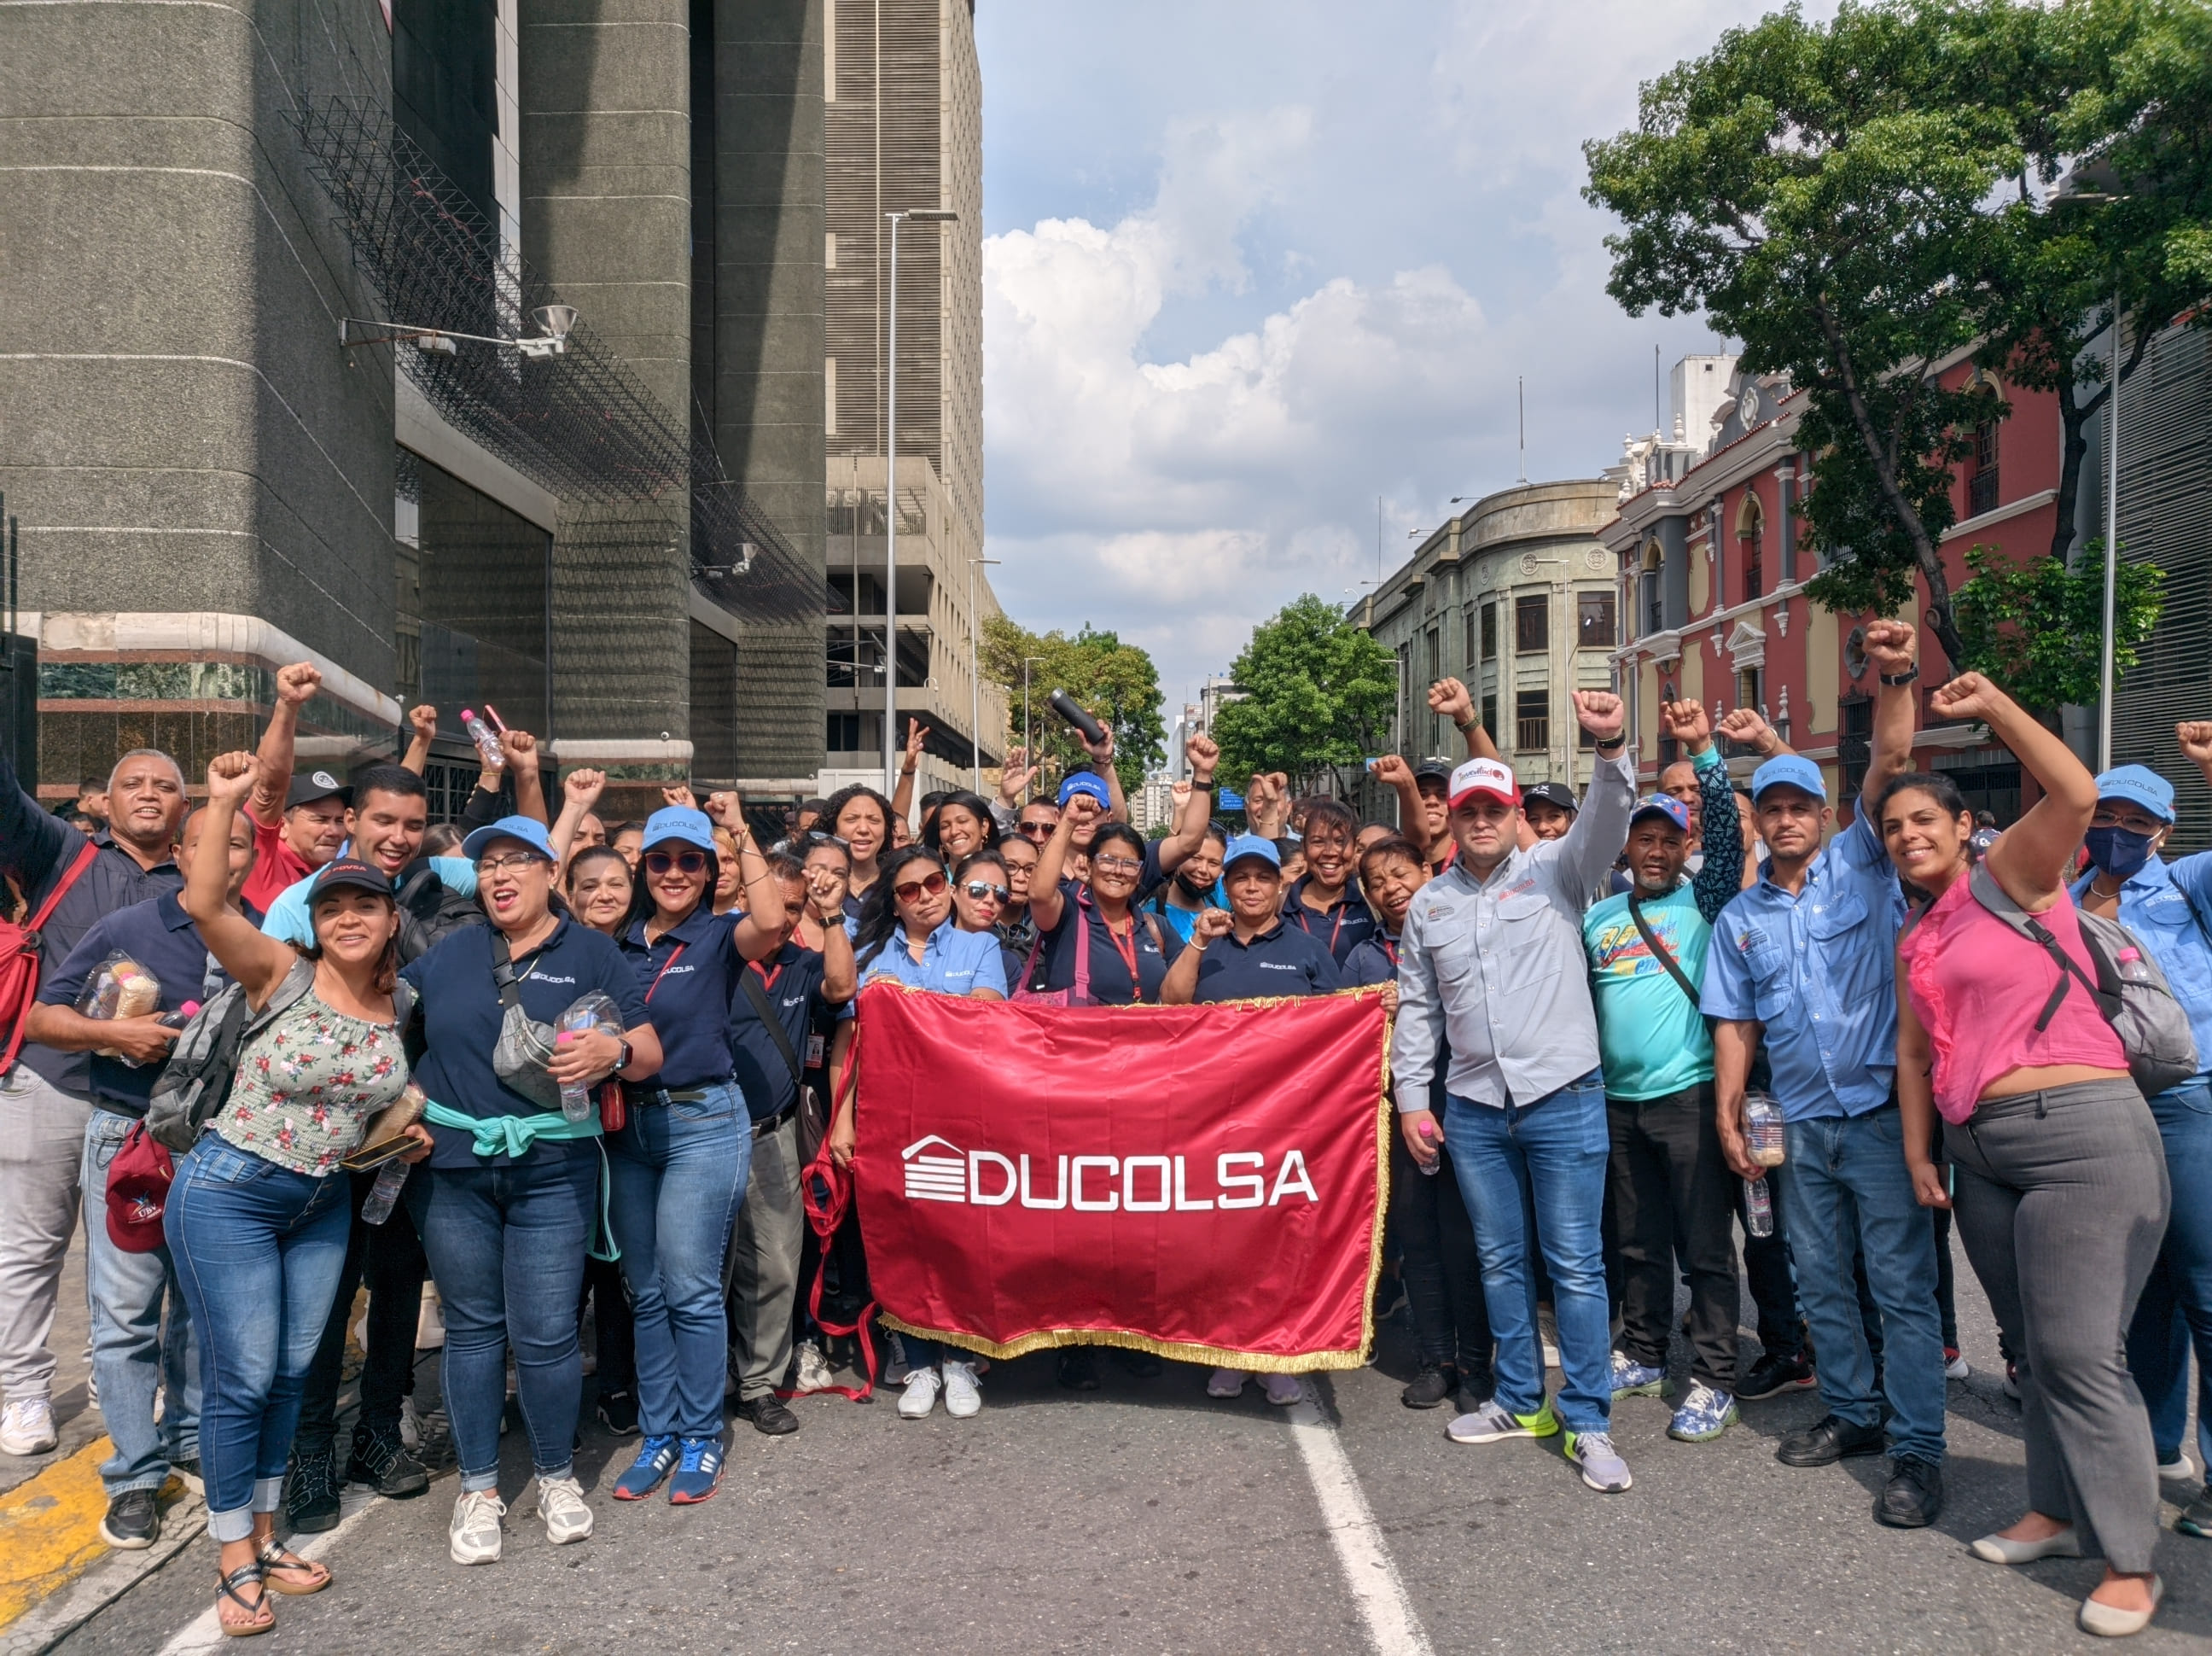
[
  {"x": 953, "y": 962},
  {"x": 2169, "y": 906},
  {"x": 1819, "y": 970},
  {"x": 288, "y": 917}
]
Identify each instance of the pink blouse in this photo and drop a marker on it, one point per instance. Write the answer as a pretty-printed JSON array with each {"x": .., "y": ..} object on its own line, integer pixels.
[{"x": 1979, "y": 986}]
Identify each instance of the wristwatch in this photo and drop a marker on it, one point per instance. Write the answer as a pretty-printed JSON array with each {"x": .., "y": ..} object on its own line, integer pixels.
[
  {"x": 1611, "y": 744},
  {"x": 1471, "y": 722},
  {"x": 623, "y": 1063},
  {"x": 1903, "y": 677},
  {"x": 1202, "y": 782}
]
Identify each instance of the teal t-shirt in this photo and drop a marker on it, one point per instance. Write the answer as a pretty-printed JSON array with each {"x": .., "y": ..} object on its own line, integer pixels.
[{"x": 1651, "y": 1037}]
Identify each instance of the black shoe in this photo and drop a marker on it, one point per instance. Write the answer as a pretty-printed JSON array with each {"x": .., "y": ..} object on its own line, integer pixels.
[
  {"x": 311, "y": 1501},
  {"x": 1828, "y": 1441},
  {"x": 1432, "y": 1386},
  {"x": 1078, "y": 1369},
  {"x": 1142, "y": 1364},
  {"x": 769, "y": 1416},
  {"x": 618, "y": 1412},
  {"x": 185, "y": 1465},
  {"x": 1913, "y": 1496},
  {"x": 1477, "y": 1385},
  {"x": 133, "y": 1521},
  {"x": 380, "y": 1460},
  {"x": 1771, "y": 1374}
]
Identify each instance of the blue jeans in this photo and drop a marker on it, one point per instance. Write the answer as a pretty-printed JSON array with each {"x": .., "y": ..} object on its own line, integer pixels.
[
  {"x": 677, "y": 1174},
  {"x": 260, "y": 1249},
  {"x": 505, "y": 1246},
  {"x": 2175, "y": 1311},
  {"x": 1553, "y": 1153},
  {"x": 137, "y": 1350},
  {"x": 1848, "y": 1190}
]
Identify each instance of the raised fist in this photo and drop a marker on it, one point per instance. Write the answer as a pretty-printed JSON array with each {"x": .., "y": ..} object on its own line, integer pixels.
[
  {"x": 297, "y": 684},
  {"x": 1889, "y": 646},
  {"x": 1601, "y": 712}
]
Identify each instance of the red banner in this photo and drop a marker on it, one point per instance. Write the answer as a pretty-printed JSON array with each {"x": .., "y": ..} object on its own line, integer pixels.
[{"x": 1204, "y": 1183}]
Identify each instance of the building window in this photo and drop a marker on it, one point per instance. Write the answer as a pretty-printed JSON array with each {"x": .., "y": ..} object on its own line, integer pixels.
[
  {"x": 1489, "y": 717},
  {"x": 1532, "y": 718},
  {"x": 1982, "y": 486},
  {"x": 1751, "y": 535},
  {"x": 1490, "y": 632},
  {"x": 1854, "y": 743},
  {"x": 1532, "y": 624},
  {"x": 1594, "y": 622},
  {"x": 1472, "y": 656},
  {"x": 843, "y": 733}
]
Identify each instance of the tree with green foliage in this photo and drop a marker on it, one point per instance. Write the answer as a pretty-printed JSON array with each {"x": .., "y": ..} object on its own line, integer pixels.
[
  {"x": 1858, "y": 200},
  {"x": 1319, "y": 697},
  {"x": 1116, "y": 684},
  {"x": 2036, "y": 627}
]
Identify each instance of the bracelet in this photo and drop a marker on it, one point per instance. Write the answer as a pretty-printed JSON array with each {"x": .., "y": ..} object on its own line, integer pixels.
[
  {"x": 1471, "y": 722},
  {"x": 1903, "y": 677},
  {"x": 1611, "y": 744},
  {"x": 1202, "y": 782}
]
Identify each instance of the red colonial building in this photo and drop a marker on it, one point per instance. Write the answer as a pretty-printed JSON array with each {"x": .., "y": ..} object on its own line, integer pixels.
[{"x": 1713, "y": 576}]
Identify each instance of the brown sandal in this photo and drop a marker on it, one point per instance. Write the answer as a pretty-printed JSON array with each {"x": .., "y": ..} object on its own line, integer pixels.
[
  {"x": 227, "y": 1586},
  {"x": 273, "y": 1560}
]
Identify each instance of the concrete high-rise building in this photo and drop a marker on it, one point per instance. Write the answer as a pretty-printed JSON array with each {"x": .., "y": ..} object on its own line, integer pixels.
[{"x": 903, "y": 130}]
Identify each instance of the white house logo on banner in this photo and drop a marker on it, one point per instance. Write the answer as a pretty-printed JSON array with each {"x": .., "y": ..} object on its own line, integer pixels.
[{"x": 936, "y": 1171}]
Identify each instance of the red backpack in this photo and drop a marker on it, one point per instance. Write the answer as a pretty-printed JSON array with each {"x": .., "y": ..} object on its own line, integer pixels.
[{"x": 20, "y": 948}]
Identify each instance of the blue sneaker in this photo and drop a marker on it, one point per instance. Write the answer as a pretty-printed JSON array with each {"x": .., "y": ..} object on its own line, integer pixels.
[
  {"x": 1703, "y": 1415},
  {"x": 700, "y": 1475},
  {"x": 1634, "y": 1379},
  {"x": 656, "y": 1459}
]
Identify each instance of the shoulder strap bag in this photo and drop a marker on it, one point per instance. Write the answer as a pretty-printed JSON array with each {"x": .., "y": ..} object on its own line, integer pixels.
[
  {"x": 1659, "y": 952},
  {"x": 813, "y": 1119}
]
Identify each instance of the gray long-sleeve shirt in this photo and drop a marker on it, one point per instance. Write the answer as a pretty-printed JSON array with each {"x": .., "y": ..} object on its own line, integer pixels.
[{"x": 1495, "y": 966}]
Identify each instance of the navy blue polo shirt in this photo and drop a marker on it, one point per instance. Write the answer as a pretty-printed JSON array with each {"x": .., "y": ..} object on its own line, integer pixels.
[
  {"x": 159, "y": 936},
  {"x": 1376, "y": 962},
  {"x": 1281, "y": 960},
  {"x": 790, "y": 981},
  {"x": 461, "y": 1018},
  {"x": 1339, "y": 928},
  {"x": 1110, "y": 983},
  {"x": 688, "y": 980}
]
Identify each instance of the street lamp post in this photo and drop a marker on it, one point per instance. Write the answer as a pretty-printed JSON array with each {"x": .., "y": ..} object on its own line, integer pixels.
[
  {"x": 975, "y": 681},
  {"x": 1029, "y": 752},
  {"x": 2111, "y": 547},
  {"x": 921, "y": 216}
]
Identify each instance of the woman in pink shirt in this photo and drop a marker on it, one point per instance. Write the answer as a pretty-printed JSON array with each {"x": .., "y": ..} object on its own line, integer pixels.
[{"x": 2061, "y": 1186}]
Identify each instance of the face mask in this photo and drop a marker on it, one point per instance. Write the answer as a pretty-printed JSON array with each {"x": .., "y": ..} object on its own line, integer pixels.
[{"x": 2119, "y": 852}]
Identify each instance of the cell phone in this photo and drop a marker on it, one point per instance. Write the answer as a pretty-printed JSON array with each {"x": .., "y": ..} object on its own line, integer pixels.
[
  {"x": 1072, "y": 710},
  {"x": 498, "y": 724}
]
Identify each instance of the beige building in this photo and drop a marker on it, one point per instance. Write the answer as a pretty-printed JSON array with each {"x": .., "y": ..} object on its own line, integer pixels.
[
  {"x": 903, "y": 130},
  {"x": 1515, "y": 596}
]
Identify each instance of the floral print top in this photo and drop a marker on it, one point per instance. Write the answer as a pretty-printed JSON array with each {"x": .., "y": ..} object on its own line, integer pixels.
[{"x": 308, "y": 1085}]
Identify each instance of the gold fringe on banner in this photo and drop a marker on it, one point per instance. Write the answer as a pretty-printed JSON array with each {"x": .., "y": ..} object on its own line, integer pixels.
[{"x": 1253, "y": 1362}]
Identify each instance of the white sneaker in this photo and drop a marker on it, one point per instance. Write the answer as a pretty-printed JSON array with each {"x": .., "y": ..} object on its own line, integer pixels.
[
  {"x": 473, "y": 1537},
  {"x": 1283, "y": 1389},
  {"x": 429, "y": 1322},
  {"x": 561, "y": 1504},
  {"x": 897, "y": 1370},
  {"x": 1956, "y": 1368},
  {"x": 814, "y": 1371},
  {"x": 2181, "y": 1468},
  {"x": 1226, "y": 1383},
  {"x": 92, "y": 1387},
  {"x": 961, "y": 1399},
  {"x": 920, "y": 1395},
  {"x": 411, "y": 1424},
  {"x": 26, "y": 1427}
]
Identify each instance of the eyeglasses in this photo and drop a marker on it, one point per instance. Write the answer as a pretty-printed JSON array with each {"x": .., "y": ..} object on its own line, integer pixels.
[
  {"x": 977, "y": 889},
  {"x": 1039, "y": 831},
  {"x": 513, "y": 861},
  {"x": 689, "y": 862},
  {"x": 908, "y": 891},
  {"x": 1116, "y": 865}
]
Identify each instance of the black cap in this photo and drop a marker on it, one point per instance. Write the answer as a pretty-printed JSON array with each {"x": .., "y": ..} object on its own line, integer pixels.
[
  {"x": 1433, "y": 770},
  {"x": 1552, "y": 793},
  {"x": 317, "y": 785},
  {"x": 349, "y": 871}
]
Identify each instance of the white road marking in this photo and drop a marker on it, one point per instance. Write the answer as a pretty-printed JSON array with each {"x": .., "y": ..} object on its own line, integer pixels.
[
  {"x": 205, "y": 1632},
  {"x": 1394, "y": 1627}
]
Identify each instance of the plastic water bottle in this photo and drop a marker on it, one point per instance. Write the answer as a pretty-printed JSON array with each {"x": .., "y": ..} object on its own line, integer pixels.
[
  {"x": 384, "y": 1195},
  {"x": 2131, "y": 966},
  {"x": 488, "y": 747},
  {"x": 1758, "y": 1207},
  {"x": 1429, "y": 1142},
  {"x": 575, "y": 1097},
  {"x": 1762, "y": 1130}
]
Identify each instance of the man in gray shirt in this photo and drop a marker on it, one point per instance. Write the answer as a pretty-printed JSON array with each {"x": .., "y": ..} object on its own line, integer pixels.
[{"x": 1490, "y": 962}]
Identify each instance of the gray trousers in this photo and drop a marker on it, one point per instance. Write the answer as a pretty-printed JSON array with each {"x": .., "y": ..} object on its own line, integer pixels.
[
  {"x": 763, "y": 1278},
  {"x": 41, "y": 1144},
  {"x": 2061, "y": 1197}
]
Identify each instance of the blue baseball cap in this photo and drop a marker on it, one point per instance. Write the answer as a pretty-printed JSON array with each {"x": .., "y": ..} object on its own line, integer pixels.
[
  {"x": 1246, "y": 845},
  {"x": 528, "y": 830},
  {"x": 1665, "y": 805},
  {"x": 2138, "y": 784},
  {"x": 1793, "y": 768},
  {"x": 679, "y": 822},
  {"x": 1085, "y": 781}
]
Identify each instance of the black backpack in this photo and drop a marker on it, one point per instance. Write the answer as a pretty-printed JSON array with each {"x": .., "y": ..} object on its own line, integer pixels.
[{"x": 430, "y": 911}]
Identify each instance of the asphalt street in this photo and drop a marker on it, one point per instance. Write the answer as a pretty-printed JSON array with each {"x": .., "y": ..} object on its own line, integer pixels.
[{"x": 1146, "y": 1518}]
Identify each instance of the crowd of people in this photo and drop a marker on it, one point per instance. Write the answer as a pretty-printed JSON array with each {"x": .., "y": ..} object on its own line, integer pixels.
[{"x": 605, "y": 1052}]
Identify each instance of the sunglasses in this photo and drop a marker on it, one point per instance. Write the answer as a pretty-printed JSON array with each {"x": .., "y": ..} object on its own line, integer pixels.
[
  {"x": 977, "y": 889},
  {"x": 1039, "y": 831},
  {"x": 908, "y": 891},
  {"x": 687, "y": 862}
]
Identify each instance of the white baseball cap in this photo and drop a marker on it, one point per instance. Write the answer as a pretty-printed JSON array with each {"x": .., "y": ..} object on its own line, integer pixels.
[{"x": 1484, "y": 777}]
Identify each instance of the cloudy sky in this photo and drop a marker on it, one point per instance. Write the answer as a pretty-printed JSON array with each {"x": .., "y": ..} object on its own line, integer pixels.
[{"x": 1249, "y": 265}]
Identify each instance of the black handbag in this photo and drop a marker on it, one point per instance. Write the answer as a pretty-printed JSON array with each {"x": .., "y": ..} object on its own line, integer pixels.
[{"x": 813, "y": 1119}]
